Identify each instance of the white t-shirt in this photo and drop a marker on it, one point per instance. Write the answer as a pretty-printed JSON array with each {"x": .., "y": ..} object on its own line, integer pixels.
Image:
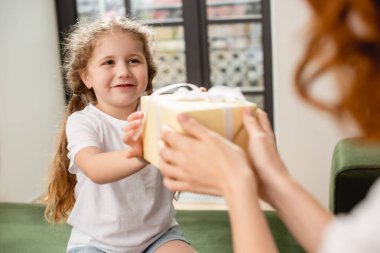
[
  {"x": 122, "y": 216},
  {"x": 358, "y": 231}
]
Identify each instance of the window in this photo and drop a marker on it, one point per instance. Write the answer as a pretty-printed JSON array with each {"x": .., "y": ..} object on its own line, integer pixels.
[{"x": 205, "y": 42}]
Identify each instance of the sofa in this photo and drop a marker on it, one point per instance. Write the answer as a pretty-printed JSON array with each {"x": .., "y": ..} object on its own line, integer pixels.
[
  {"x": 355, "y": 167},
  {"x": 24, "y": 230}
]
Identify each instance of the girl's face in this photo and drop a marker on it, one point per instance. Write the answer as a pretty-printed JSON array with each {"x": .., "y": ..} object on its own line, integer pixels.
[{"x": 118, "y": 73}]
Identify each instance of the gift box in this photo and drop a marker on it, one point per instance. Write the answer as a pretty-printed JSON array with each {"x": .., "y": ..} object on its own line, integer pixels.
[{"x": 224, "y": 116}]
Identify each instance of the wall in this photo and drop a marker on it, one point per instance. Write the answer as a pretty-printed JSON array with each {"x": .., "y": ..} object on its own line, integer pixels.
[
  {"x": 305, "y": 136},
  {"x": 31, "y": 96}
]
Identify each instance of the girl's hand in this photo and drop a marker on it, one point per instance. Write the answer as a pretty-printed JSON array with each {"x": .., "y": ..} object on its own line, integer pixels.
[
  {"x": 202, "y": 89},
  {"x": 201, "y": 161},
  {"x": 132, "y": 135}
]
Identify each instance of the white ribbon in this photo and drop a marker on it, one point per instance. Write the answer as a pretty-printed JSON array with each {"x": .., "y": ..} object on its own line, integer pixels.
[
  {"x": 215, "y": 94},
  {"x": 179, "y": 86}
]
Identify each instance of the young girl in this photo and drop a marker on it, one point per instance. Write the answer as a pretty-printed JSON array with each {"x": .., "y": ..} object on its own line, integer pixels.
[{"x": 113, "y": 203}]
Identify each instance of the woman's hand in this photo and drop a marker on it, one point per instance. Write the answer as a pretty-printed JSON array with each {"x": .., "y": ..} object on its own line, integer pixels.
[
  {"x": 132, "y": 135},
  {"x": 263, "y": 151},
  {"x": 201, "y": 161}
]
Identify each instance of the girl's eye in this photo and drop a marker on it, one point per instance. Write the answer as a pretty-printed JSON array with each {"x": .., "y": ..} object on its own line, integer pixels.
[
  {"x": 134, "y": 61},
  {"x": 109, "y": 62}
]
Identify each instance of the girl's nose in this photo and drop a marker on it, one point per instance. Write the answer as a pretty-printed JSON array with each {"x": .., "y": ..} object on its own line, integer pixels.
[{"x": 123, "y": 71}]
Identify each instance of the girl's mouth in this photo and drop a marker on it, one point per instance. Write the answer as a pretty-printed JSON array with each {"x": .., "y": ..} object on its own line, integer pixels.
[{"x": 124, "y": 85}]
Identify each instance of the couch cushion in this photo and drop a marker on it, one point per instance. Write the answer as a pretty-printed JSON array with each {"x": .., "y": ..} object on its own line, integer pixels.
[{"x": 24, "y": 230}]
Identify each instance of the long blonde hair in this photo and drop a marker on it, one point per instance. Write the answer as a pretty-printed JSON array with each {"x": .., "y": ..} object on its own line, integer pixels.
[{"x": 78, "y": 48}]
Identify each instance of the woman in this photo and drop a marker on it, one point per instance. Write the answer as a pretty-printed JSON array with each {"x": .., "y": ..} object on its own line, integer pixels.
[{"x": 344, "y": 41}]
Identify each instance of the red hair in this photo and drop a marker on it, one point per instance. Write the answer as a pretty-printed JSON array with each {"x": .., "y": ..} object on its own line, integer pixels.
[{"x": 345, "y": 40}]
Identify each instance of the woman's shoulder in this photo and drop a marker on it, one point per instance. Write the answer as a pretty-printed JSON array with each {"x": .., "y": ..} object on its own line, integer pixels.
[{"x": 349, "y": 232}]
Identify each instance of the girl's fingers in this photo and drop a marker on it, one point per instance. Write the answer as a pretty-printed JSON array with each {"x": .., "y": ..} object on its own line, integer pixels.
[
  {"x": 132, "y": 125},
  {"x": 202, "y": 89},
  {"x": 128, "y": 136},
  {"x": 135, "y": 116},
  {"x": 131, "y": 136},
  {"x": 130, "y": 153}
]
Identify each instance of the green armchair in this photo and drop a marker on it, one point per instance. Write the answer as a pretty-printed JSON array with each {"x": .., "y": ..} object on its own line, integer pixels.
[{"x": 355, "y": 167}]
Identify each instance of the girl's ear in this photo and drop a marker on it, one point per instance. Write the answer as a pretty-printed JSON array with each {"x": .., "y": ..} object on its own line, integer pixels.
[{"x": 85, "y": 78}]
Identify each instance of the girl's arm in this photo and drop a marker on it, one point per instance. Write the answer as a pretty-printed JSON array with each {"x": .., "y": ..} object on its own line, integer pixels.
[
  {"x": 302, "y": 214},
  {"x": 105, "y": 167}
]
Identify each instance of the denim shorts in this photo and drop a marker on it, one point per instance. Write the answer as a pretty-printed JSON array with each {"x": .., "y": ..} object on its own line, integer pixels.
[
  {"x": 174, "y": 233},
  {"x": 85, "y": 249}
]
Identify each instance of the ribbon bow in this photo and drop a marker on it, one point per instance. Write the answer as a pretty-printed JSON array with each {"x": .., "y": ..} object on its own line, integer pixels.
[{"x": 215, "y": 94}]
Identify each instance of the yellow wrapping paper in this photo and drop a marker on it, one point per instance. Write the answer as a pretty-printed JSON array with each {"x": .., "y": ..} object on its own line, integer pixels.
[{"x": 225, "y": 118}]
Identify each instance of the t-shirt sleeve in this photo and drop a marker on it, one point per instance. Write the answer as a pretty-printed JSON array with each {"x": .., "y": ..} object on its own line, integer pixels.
[
  {"x": 81, "y": 132},
  {"x": 358, "y": 231}
]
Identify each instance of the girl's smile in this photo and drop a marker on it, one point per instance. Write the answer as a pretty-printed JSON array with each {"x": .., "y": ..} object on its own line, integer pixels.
[{"x": 125, "y": 86}]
